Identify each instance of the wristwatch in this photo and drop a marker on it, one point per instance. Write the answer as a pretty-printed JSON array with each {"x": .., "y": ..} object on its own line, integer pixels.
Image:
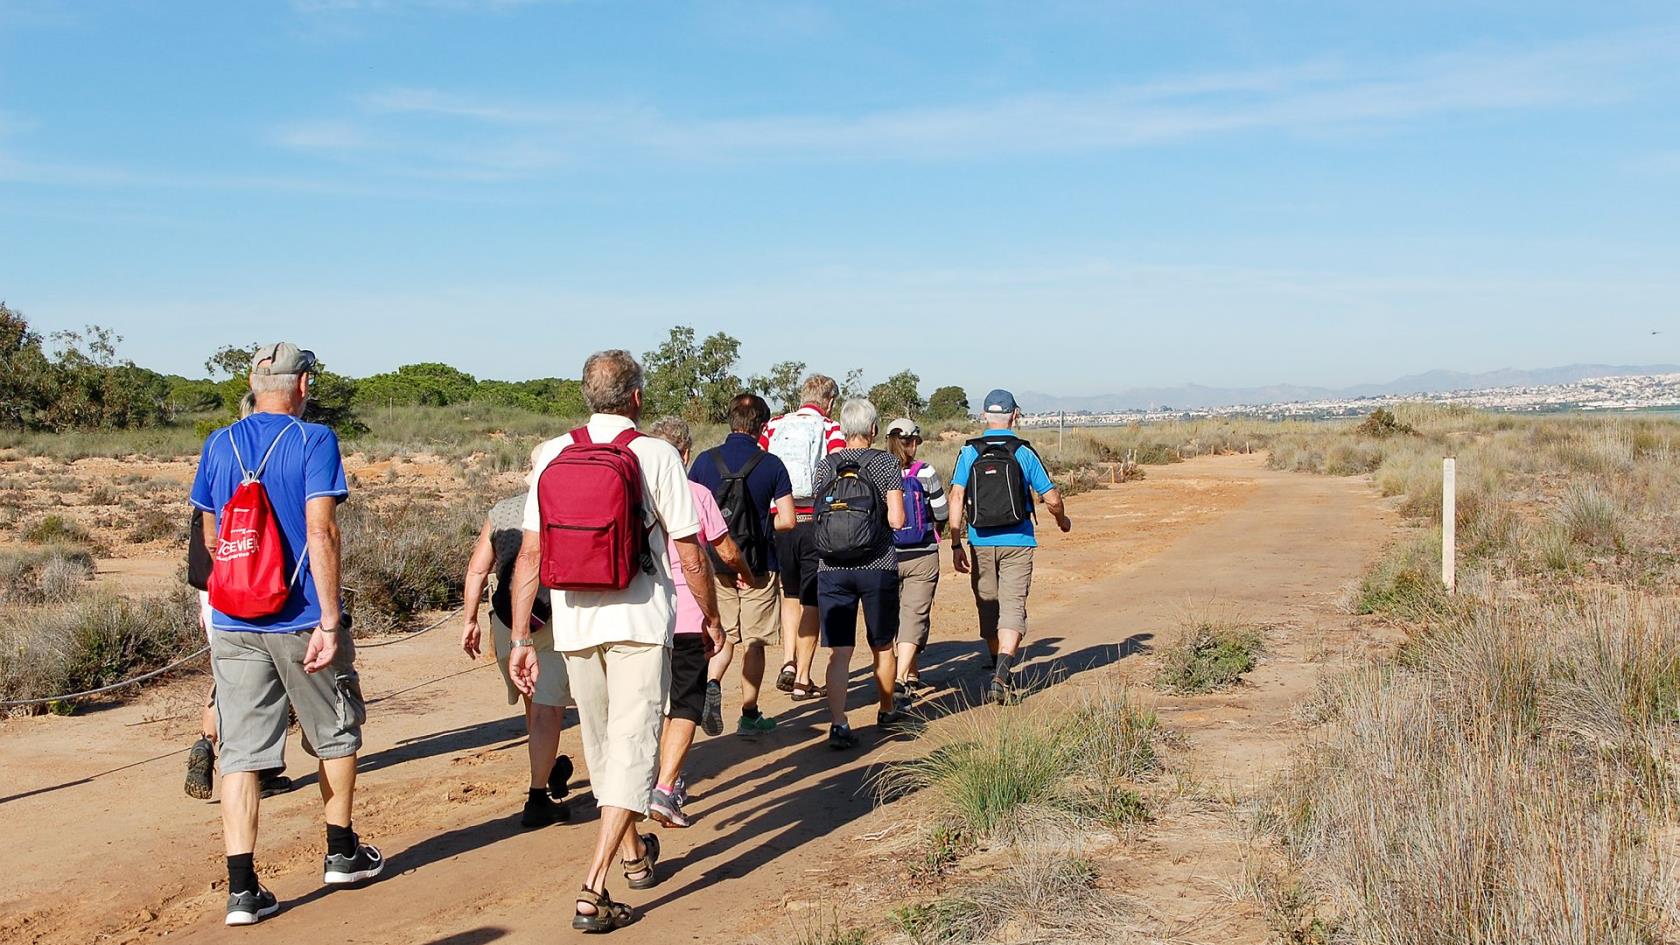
[{"x": 519, "y": 643}]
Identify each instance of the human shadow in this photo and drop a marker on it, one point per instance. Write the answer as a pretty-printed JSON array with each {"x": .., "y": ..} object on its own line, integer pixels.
[
  {"x": 478, "y": 936},
  {"x": 464, "y": 738}
]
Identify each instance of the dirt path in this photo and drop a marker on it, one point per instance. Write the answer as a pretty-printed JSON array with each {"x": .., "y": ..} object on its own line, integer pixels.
[{"x": 97, "y": 797}]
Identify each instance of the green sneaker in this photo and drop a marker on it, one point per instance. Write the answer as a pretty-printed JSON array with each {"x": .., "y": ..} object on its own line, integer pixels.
[{"x": 758, "y": 726}]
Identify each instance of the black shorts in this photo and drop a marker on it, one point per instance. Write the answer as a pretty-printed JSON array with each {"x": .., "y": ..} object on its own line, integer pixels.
[
  {"x": 796, "y": 555},
  {"x": 841, "y": 594},
  {"x": 688, "y": 676}
]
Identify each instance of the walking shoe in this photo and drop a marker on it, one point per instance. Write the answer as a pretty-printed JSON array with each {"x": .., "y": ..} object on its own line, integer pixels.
[
  {"x": 890, "y": 723},
  {"x": 201, "y": 757},
  {"x": 340, "y": 870},
  {"x": 711, "y": 717},
  {"x": 902, "y": 698},
  {"x": 840, "y": 737},
  {"x": 997, "y": 692},
  {"x": 785, "y": 680},
  {"x": 755, "y": 726},
  {"x": 679, "y": 790},
  {"x": 541, "y": 811},
  {"x": 666, "y": 810},
  {"x": 560, "y": 778},
  {"x": 272, "y": 784},
  {"x": 249, "y": 908}
]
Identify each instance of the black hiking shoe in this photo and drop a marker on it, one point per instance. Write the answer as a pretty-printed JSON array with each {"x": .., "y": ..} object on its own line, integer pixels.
[
  {"x": 560, "y": 778},
  {"x": 542, "y": 811},
  {"x": 997, "y": 692},
  {"x": 201, "y": 757},
  {"x": 270, "y": 783},
  {"x": 840, "y": 737},
  {"x": 367, "y": 863}
]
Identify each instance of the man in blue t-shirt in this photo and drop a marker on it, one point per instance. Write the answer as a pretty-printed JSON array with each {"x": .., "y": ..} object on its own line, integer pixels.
[
  {"x": 1000, "y": 570},
  {"x": 298, "y": 656},
  {"x": 750, "y": 612}
]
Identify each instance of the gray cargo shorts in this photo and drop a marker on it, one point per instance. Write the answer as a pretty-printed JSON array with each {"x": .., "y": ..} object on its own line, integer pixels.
[{"x": 258, "y": 675}]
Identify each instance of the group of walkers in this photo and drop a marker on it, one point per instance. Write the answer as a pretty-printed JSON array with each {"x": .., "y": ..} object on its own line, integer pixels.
[{"x": 628, "y": 578}]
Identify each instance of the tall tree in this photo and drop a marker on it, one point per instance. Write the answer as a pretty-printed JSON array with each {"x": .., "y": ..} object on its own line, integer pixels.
[
  {"x": 948, "y": 403},
  {"x": 897, "y": 395},
  {"x": 780, "y": 386},
  {"x": 852, "y": 387},
  {"x": 692, "y": 380},
  {"x": 25, "y": 373}
]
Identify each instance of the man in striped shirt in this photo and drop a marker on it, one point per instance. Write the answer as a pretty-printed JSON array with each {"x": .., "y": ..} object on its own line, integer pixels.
[{"x": 801, "y": 440}]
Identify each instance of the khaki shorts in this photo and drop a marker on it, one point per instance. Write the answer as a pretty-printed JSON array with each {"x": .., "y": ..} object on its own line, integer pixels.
[
  {"x": 258, "y": 675},
  {"x": 1002, "y": 578},
  {"x": 750, "y": 615},
  {"x": 552, "y": 688},
  {"x": 918, "y": 578}
]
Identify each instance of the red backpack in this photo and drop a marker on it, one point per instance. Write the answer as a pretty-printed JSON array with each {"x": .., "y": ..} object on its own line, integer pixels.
[
  {"x": 248, "y": 569},
  {"x": 590, "y": 502}
]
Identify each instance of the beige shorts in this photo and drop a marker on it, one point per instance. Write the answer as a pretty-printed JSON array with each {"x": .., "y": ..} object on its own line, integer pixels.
[
  {"x": 1002, "y": 578},
  {"x": 750, "y": 615},
  {"x": 552, "y": 687},
  {"x": 918, "y": 578}
]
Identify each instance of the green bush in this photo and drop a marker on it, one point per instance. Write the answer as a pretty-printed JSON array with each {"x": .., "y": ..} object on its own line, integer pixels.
[
  {"x": 55, "y": 529},
  {"x": 1208, "y": 656}
]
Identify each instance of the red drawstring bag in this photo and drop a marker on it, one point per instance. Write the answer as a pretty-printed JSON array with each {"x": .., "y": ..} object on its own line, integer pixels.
[{"x": 248, "y": 567}]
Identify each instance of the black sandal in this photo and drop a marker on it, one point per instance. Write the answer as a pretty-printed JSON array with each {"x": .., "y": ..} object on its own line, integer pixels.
[
  {"x": 787, "y": 677},
  {"x": 608, "y": 915},
  {"x": 644, "y": 866}
]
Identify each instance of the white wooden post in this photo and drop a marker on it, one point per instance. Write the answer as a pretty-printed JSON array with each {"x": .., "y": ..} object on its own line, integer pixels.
[
  {"x": 1449, "y": 524},
  {"x": 1061, "y": 430}
]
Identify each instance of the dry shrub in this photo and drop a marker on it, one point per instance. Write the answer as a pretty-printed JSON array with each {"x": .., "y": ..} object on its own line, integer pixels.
[
  {"x": 157, "y": 524},
  {"x": 55, "y": 529},
  {"x": 406, "y": 560},
  {"x": 1592, "y": 519},
  {"x": 1041, "y": 897},
  {"x": 93, "y": 641},
  {"x": 1208, "y": 656},
  {"x": 43, "y": 575},
  {"x": 1501, "y": 787}
]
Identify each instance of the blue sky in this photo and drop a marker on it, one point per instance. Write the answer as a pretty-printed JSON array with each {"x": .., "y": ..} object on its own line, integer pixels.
[{"x": 1061, "y": 196}]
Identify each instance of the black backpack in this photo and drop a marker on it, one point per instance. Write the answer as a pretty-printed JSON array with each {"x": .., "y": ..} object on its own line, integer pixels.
[
  {"x": 851, "y": 517},
  {"x": 745, "y": 520},
  {"x": 997, "y": 495}
]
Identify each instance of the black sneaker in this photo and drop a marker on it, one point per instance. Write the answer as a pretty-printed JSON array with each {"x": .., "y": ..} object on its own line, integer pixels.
[
  {"x": 541, "y": 811},
  {"x": 249, "y": 908},
  {"x": 840, "y": 737},
  {"x": 339, "y": 870},
  {"x": 560, "y": 778},
  {"x": 997, "y": 692},
  {"x": 272, "y": 784},
  {"x": 711, "y": 717},
  {"x": 890, "y": 723},
  {"x": 201, "y": 757}
]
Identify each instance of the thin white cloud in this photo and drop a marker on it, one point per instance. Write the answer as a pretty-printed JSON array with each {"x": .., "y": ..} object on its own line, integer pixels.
[{"x": 422, "y": 124}]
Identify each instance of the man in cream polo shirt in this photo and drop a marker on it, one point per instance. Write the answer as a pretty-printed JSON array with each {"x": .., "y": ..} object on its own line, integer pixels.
[{"x": 616, "y": 643}]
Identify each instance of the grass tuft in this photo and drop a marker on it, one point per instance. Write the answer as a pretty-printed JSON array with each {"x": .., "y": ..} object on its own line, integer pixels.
[{"x": 1208, "y": 656}]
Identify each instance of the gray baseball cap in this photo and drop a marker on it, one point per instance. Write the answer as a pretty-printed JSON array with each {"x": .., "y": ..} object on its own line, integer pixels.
[
  {"x": 282, "y": 358},
  {"x": 1000, "y": 401},
  {"x": 904, "y": 427}
]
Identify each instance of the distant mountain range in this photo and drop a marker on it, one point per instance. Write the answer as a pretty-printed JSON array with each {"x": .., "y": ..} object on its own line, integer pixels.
[{"x": 1192, "y": 396}]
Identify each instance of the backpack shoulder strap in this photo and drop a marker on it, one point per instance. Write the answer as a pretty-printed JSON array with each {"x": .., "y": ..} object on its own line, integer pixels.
[
  {"x": 580, "y": 436},
  {"x": 752, "y": 464},
  {"x": 627, "y": 437},
  {"x": 915, "y": 469}
]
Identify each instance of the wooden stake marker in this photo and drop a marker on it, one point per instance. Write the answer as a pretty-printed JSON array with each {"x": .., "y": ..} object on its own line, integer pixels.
[{"x": 1449, "y": 524}]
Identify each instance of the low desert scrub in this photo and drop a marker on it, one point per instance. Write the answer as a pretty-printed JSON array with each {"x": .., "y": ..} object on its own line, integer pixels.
[
  {"x": 43, "y": 575},
  {"x": 93, "y": 640},
  {"x": 157, "y": 524},
  {"x": 1208, "y": 655},
  {"x": 1592, "y": 519},
  {"x": 1041, "y": 896},
  {"x": 1406, "y": 582},
  {"x": 403, "y": 561},
  {"x": 1510, "y": 785},
  {"x": 1002, "y": 775},
  {"x": 54, "y": 529}
]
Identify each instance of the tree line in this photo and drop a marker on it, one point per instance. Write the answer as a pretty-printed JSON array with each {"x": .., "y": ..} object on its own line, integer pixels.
[{"x": 75, "y": 380}]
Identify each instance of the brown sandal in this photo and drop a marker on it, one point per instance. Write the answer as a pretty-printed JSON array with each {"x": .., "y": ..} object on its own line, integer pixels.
[
  {"x": 644, "y": 866},
  {"x": 608, "y": 915},
  {"x": 805, "y": 692},
  {"x": 785, "y": 679}
]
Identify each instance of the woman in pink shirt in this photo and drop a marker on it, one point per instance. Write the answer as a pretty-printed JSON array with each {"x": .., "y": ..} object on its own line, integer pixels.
[{"x": 688, "y": 642}]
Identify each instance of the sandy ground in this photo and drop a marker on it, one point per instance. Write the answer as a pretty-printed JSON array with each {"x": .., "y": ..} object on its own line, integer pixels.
[{"x": 102, "y": 845}]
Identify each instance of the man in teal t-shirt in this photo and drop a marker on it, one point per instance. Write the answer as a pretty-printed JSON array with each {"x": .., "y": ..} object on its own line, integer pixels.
[{"x": 1000, "y": 570}]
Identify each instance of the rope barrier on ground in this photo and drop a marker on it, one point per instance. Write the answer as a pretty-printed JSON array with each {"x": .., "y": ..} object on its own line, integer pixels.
[{"x": 72, "y": 696}]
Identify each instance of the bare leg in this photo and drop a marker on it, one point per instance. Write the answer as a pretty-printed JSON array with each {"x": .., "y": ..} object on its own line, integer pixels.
[
  {"x": 207, "y": 721},
  {"x": 1008, "y": 641},
  {"x": 338, "y": 789},
  {"x": 792, "y": 613},
  {"x": 906, "y": 660},
  {"x": 752, "y": 674},
  {"x": 886, "y": 664},
  {"x": 719, "y": 663},
  {"x": 839, "y": 667},
  {"x": 807, "y": 642},
  {"x": 544, "y": 723},
  {"x": 673, "y": 748},
  {"x": 239, "y": 811},
  {"x": 615, "y": 839}
]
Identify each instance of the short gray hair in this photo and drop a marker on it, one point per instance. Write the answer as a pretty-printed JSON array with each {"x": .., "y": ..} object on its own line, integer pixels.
[
  {"x": 674, "y": 431},
  {"x": 819, "y": 389},
  {"x": 857, "y": 418},
  {"x": 610, "y": 381},
  {"x": 273, "y": 383}
]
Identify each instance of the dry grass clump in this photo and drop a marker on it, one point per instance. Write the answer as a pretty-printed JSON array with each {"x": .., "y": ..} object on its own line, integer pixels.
[
  {"x": 1208, "y": 656},
  {"x": 43, "y": 575},
  {"x": 1040, "y": 897},
  {"x": 1508, "y": 787},
  {"x": 155, "y": 524},
  {"x": 94, "y": 640},
  {"x": 55, "y": 529},
  {"x": 406, "y": 560}
]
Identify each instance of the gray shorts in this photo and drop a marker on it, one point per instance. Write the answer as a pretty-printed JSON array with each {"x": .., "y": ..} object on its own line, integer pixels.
[
  {"x": 258, "y": 675},
  {"x": 918, "y": 579},
  {"x": 1002, "y": 579}
]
